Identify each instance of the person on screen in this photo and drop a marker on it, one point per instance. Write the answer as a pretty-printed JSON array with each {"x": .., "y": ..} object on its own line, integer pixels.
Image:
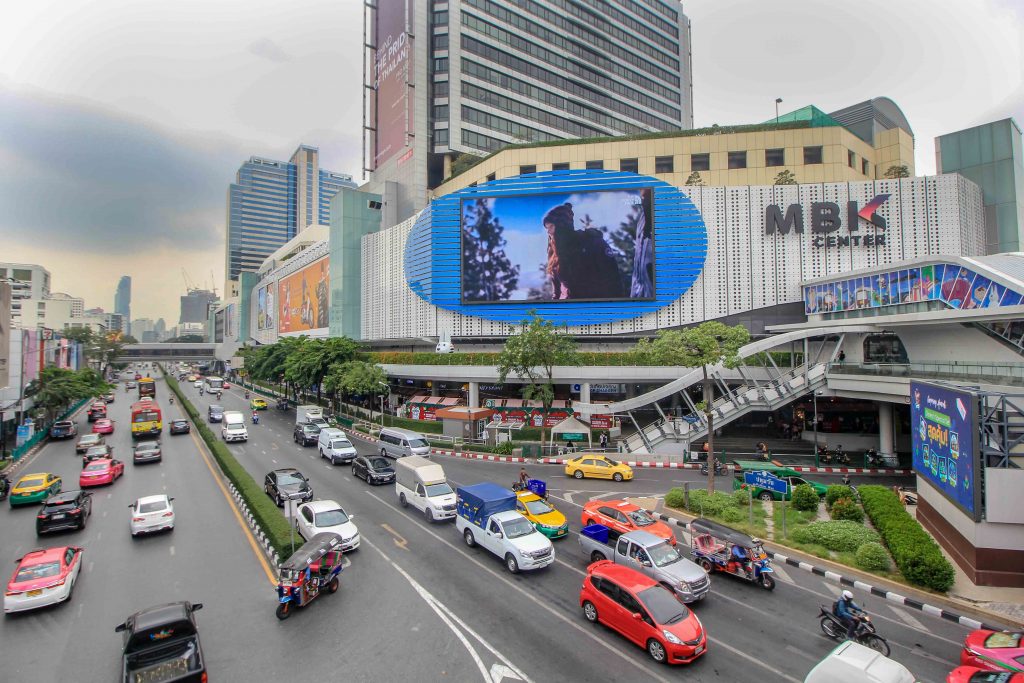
[
  {"x": 643, "y": 256},
  {"x": 321, "y": 297},
  {"x": 580, "y": 262}
]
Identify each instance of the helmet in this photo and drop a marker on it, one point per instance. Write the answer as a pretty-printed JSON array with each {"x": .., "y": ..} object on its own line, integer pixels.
[{"x": 847, "y": 595}]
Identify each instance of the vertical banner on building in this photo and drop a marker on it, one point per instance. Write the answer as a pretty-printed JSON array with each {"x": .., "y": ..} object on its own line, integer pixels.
[
  {"x": 5, "y": 333},
  {"x": 30, "y": 355},
  {"x": 393, "y": 110},
  {"x": 304, "y": 299}
]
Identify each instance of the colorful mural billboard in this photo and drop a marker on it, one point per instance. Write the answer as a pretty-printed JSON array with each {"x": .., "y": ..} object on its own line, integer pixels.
[
  {"x": 304, "y": 299},
  {"x": 393, "y": 111}
]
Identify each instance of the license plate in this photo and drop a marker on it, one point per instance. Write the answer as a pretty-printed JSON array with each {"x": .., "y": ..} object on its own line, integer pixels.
[
  {"x": 32, "y": 594},
  {"x": 58, "y": 517},
  {"x": 698, "y": 650}
]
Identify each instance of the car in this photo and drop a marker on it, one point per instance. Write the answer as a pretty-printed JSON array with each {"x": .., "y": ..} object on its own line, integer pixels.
[
  {"x": 598, "y": 467},
  {"x": 63, "y": 429},
  {"x": 35, "y": 488},
  {"x": 306, "y": 434},
  {"x": 192, "y": 378},
  {"x": 130, "y": 385},
  {"x": 180, "y": 426},
  {"x": 327, "y": 515},
  {"x": 103, "y": 426},
  {"x": 137, "y": 377},
  {"x": 622, "y": 517},
  {"x": 66, "y": 510},
  {"x": 972, "y": 674},
  {"x": 161, "y": 643},
  {"x": 146, "y": 451},
  {"x": 287, "y": 482},
  {"x": 643, "y": 611},
  {"x": 542, "y": 515},
  {"x": 98, "y": 453},
  {"x": 994, "y": 650},
  {"x": 225, "y": 386},
  {"x": 215, "y": 414},
  {"x": 43, "y": 577},
  {"x": 97, "y": 411},
  {"x": 374, "y": 469},
  {"x": 257, "y": 404},
  {"x": 108, "y": 398},
  {"x": 151, "y": 514},
  {"x": 87, "y": 441},
  {"x": 99, "y": 472}
]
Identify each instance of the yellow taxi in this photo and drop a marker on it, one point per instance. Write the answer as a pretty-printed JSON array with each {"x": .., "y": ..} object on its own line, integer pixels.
[
  {"x": 542, "y": 515},
  {"x": 598, "y": 467},
  {"x": 257, "y": 404},
  {"x": 192, "y": 378},
  {"x": 35, "y": 488}
]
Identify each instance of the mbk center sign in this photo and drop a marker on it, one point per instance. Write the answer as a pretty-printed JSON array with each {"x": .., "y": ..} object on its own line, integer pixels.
[{"x": 827, "y": 219}]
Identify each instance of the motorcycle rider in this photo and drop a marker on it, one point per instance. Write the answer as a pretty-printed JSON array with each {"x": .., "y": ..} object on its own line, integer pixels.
[
  {"x": 762, "y": 450},
  {"x": 255, "y": 417},
  {"x": 5, "y": 486},
  {"x": 523, "y": 478},
  {"x": 170, "y": 399},
  {"x": 848, "y": 612},
  {"x": 739, "y": 555}
]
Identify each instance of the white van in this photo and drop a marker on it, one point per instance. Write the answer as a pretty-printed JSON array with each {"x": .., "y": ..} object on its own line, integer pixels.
[
  {"x": 401, "y": 443},
  {"x": 233, "y": 427},
  {"x": 334, "y": 445},
  {"x": 421, "y": 483},
  {"x": 852, "y": 662}
]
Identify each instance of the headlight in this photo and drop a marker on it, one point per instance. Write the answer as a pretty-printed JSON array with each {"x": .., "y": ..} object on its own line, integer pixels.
[{"x": 671, "y": 637}]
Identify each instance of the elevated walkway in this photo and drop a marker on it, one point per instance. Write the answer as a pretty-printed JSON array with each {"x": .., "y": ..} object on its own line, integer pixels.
[{"x": 189, "y": 352}]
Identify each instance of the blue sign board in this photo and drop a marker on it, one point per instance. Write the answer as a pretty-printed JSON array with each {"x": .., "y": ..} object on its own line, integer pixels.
[
  {"x": 766, "y": 480},
  {"x": 691, "y": 418},
  {"x": 24, "y": 434},
  {"x": 944, "y": 426}
]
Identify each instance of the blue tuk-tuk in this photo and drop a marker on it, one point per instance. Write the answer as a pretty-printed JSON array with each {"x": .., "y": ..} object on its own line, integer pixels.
[
  {"x": 718, "y": 548},
  {"x": 312, "y": 568}
]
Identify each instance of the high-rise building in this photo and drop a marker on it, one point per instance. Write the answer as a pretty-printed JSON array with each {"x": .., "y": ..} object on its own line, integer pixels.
[
  {"x": 471, "y": 76},
  {"x": 272, "y": 201},
  {"x": 123, "y": 300},
  {"x": 195, "y": 306},
  {"x": 159, "y": 330},
  {"x": 28, "y": 281},
  {"x": 142, "y": 329}
]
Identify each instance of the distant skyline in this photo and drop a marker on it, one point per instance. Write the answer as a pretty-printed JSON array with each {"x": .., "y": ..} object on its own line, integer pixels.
[{"x": 122, "y": 122}]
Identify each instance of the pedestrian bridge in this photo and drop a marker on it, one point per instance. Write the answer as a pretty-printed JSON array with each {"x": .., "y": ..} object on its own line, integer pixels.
[{"x": 188, "y": 352}]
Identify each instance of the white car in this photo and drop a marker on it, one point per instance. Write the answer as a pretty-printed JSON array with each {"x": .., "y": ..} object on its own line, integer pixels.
[
  {"x": 319, "y": 516},
  {"x": 152, "y": 513},
  {"x": 43, "y": 577},
  {"x": 198, "y": 384}
]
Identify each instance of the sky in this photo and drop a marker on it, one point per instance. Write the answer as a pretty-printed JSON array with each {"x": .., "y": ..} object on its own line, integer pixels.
[{"x": 122, "y": 122}]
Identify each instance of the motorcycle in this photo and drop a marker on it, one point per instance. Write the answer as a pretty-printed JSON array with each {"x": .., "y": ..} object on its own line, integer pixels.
[
  {"x": 5, "y": 486},
  {"x": 718, "y": 468},
  {"x": 762, "y": 450},
  {"x": 865, "y": 633},
  {"x": 840, "y": 456},
  {"x": 170, "y": 399},
  {"x": 824, "y": 455},
  {"x": 873, "y": 458},
  {"x": 255, "y": 417},
  {"x": 246, "y": 395},
  {"x": 282, "y": 404}
]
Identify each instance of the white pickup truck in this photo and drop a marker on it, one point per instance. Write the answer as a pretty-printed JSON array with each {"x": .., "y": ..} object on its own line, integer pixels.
[
  {"x": 421, "y": 483},
  {"x": 487, "y": 517},
  {"x": 233, "y": 427}
]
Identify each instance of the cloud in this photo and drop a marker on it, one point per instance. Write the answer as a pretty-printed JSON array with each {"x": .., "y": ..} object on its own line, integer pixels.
[{"x": 268, "y": 49}]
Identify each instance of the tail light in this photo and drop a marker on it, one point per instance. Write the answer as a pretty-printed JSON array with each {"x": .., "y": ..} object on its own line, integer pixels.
[
  {"x": 40, "y": 516},
  {"x": 168, "y": 514},
  {"x": 13, "y": 593},
  {"x": 75, "y": 511},
  {"x": 203, "y": 679},
  {"x": 138, "y": 519}
]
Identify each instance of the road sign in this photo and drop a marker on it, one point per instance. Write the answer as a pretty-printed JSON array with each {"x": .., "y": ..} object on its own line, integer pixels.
[
  {"x": 691, "y": 418},
  {"x": 24, "y": 434},
  {"x": 572, "y": 436},
  {"x": 765, "y": 480}
]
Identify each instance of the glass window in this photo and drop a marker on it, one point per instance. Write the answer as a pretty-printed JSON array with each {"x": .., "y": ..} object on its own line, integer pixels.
[
  {"x": 700, "y": 162},
  {"x": 440, "y": 18},
  {"x": 775, "y": 157},
  {"x": 850, "y": 159},
  {"x": 441, "y": 65},
  {"x": 812, "y": 155},
  {"x": 441, "y": 111},
  {"x": 532, "y": 168},
  {"x": 737, "y": 159},
  {"x": 491, "y": 176},
  {"x": 441, "y": 89},
  {"x": 629, "y": 165},
  {"x": 560, "y": 166},
  {"x": 864, "y": 166},
  {"x": 441, "y": 136},
  {"x": 441, "y": 41},
  {"x": 664, "y": 165},
  {"x": 595, "y": 164}
]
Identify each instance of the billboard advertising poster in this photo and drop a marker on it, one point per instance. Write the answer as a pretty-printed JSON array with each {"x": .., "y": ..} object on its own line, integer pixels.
[
  {"x": 265, "y": 308},
  {"x": 304, "y": 299},
  {"x": 5, "y": 332},
  {"x": 571, "y": 246},
  {"x": 393, "y": 112},
  {"x": 945, "y": 443}
]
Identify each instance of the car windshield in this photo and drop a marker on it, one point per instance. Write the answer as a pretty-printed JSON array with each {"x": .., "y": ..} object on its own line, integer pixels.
[
  {"x": 380, "y": 464},
  {"x": 152, "y": 506},
  {"x": 178, "y": 423},
  {"x": 538, "y": 507},
  {"x": 518, "y": 528},
  {"x": 340, "y": 443},
  {"x": 216, "y": 409},
  {"x": 90, "y": 438},
  {"x": 330, "y": 517},
  {"x": 663, "y": 605},
  {"x": 1007, "y": 639},
  {"x": 97, "y": 450},
  {"x": 151, "y": 446},
  {"x": 57, "y": 505},
  {"x": 640, "y": 518},
  {"x": 312, "y": 429},
  {"x": 438, "y": 489},
  {"x": 37, "y": 571},
  {"x": 662, "y": 555},
  {"x": 34, "y": 481},
  {"x": 418, "y": 443},
  {"x": 286, "y": 479},
  {"x": 96, "y": 466}
]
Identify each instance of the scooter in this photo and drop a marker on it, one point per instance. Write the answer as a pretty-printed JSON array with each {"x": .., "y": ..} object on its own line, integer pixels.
[
  {"x": 873, "y": 458},
  {"x": 718, "y": 468},
  {"x": 865, "y": 633},
  {"x": 840, "y": 456}
]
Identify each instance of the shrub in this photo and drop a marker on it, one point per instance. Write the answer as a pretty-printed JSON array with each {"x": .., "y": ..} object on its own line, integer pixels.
[
  {"x": 846, "y": 509},
  {"x": 872, "y": 557},
  {"x": 804, "y": 498},
  {"x": 675, "y": 498},
  {"x": 505, "y": 448},
  {"x": 838, "y": 536},
  {"x": 837, "y": 491},
  {"x": 915, "y": 552},
  {"x": 731, "y": 515},
  {"x": 703, "y": 504},
  {"x": 741, "y": 497}
]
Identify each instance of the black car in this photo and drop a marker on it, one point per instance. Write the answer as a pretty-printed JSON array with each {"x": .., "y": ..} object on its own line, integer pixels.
[
  {"x": 162, "y": 643},
  {"x": 147, "y": 451},
  {"x": 97, "y": 453},
  {"x": 180, "y": 426},
  {"x": 215, "y": 413},
  {"x": 64, "y": 429},
  {"x": 306, "y": 434},
  {"x": 375, "y": 469},
  {"x": 66, "y": 510},
  {"x": 287, "y": 483}
]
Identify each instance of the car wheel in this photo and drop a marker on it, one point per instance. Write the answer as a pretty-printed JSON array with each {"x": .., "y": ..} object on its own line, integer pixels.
[
  {"x": 510, "y": 562},
  {"x": 384, "y": 452},
  {"x": 81, "y": 525},
  {"x": 428, "y": 514},
  {"x": 578, "y": 474},
  {"x": 332, "y": 587},
  {"x": 597, "y": 556},
  {"x": 590, "y": 612},
  {"x": 470, "y": 541},
  {"x": 402, "y": 501},
  {"x": 766, "y": 497},
  {"x": 656, "y": 650},
  {"x": 617, "y": 477},
  {"x": 705, "y": 564}
]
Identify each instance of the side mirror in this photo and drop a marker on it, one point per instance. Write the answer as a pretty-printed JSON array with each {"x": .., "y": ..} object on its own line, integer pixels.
[
  {"x": 171, "y": 498},
  {"x": 636, "y": 615},
  {"x": 645, "y": 563},
  {"x": 119, "y": 628},
  {"x": 197, "y": 606}
]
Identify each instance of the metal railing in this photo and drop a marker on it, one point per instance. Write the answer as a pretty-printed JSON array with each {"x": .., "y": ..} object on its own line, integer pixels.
[
  {"x": 20, "y": 451},
  {"x": 1001, "y": 373}
]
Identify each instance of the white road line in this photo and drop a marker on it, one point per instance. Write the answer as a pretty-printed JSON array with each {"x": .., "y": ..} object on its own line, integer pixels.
[
  {"x": 910, "y": 619},
  {"x": 104, "y": 513},
  {"x": 99, "y": 535},
  {"x": 834, "y": 589},
  {"x": 172, "y": 550},
  {"x": 781, "y": 573}
]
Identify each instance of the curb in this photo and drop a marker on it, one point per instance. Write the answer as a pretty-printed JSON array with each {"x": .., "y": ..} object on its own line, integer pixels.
[{"x": 888, "y": 595}]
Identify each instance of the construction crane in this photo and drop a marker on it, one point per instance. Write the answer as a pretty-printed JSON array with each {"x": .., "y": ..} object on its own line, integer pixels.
[{"x": 189, "y": 285}]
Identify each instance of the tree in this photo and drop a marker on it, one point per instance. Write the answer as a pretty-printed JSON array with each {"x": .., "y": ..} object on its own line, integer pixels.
[
  {"x": 57, "y": 388},
  {"x": 488, "y": 274},
  {"x": 695, "y": 179},
  {"x": 900, "y": 171},
  {"x": 106, "y": 348},
  {"x": 532, "y": 353},
  {"x": 785, "y": 177},
  {"x": 706, "y": 345},
  {"x": 309, "y": 361},
  {"x": 356, "y": 377}
]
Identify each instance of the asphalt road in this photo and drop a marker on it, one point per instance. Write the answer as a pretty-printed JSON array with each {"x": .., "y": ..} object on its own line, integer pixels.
[{"x": 532, "y": 621}]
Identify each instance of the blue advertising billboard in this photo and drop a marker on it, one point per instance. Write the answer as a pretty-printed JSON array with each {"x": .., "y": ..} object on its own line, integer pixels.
[{"x": 944, "y": 422}]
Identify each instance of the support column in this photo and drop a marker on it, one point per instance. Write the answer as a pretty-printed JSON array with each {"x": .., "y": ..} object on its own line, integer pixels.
[
  {"x": 885, "y": 438},
  {"x": 474, "y": 394},
  {"x": 584, "y": 392},
  {"x": 434, "y": 391}
]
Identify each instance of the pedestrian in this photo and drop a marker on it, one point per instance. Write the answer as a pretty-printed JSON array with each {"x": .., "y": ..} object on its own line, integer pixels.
[
  {"x": 842, "y": 357},
  {"x": 604, "y": 440}
]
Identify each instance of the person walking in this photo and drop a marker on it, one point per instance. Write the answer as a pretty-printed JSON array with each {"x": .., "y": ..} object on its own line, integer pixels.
[{"x": 604, "y": 440}]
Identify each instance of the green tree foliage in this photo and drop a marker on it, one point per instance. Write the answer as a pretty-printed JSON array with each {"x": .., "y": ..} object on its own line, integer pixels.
[
  {"x": 785, "y": 178},
  {"x": 186, "y": 339},
  {"x": 464, "y": 162},
  {"x": 694, "y": 179},
  {"x": 102, "y": 349},
  {"x": 532, "y": 353},
  {"x": 804, "y": 498},
  {"x": 488, "y": 274},
  {"x": 897, "y": 171},
  {"x": 57, "y": 388},
  {"x": 309, "y": 360},
  {"x": 872, "y": 557}
]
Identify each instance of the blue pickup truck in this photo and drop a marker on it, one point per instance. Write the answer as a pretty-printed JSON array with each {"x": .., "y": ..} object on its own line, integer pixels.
[{"x": 486, "y": 516}]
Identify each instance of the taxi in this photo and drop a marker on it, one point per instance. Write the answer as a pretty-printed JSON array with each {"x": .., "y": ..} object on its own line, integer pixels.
[
  {"x": 99, "y": 472},
  {"x": 622, "y": 517},
  {"x": 43, "y": 577},
  {"x": 35, "y": 488},
  {"x": 547, "y": 519},
  {"x": 597, "y": 467},
  {"x": 192, "y": 378},
  {"x": 258, "y": 404}
]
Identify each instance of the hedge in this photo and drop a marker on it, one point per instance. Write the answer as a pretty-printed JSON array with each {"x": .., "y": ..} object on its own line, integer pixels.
[
  {"x": 804, "y": 498},
  {"x": 837, "y": 536},
  {"x": 837, "y": 491},
  {"x": 872, "y": 557},
  {"x": 916, "y": 553},
  {"x": 846, "y": 509},
  {"x": 724, "y": 506}
]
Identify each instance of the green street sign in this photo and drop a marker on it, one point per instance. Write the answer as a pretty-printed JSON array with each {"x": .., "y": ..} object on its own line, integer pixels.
[{"x": 571, "y": 436}]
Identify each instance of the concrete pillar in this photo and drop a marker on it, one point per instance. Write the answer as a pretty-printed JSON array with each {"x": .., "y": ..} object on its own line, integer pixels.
[
  {"x": 434, "y": 391},
  {"x": 584, "y": 392},
  {"x": 474, "y": 394},
  {"x": 885, "y": 437}
]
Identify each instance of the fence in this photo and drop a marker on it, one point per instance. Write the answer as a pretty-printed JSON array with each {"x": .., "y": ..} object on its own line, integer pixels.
[{"x": 20, "y": 451}]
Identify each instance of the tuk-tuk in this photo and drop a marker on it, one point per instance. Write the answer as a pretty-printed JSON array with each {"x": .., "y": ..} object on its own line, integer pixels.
[
  {"x": 312, "y": 568},
  {"x": 718, "y": 548}
]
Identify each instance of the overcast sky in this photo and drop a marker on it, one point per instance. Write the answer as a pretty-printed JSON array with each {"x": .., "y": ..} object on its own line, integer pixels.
[{"x": 122, "y": 122}]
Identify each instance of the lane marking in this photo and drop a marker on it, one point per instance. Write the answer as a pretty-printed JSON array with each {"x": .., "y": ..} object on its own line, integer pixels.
[
  {"x": 399, "y": 540},
  {"x": 910, "y": 619},
  {"x": 172, "y": 550},
  {"x": 782, "y": 574}
]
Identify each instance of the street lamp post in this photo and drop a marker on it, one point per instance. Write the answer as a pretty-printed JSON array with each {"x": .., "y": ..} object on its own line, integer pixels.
[
  {"x": 381, "y": 397},
  {"x": 778, "y": 101}
]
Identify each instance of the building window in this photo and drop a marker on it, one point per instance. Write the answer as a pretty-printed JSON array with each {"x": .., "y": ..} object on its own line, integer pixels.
[
  {"x": 812, "y": 155},
  {"x": 598, "y": 165},
  {"x": 864, "y": 166},
  {"x": 441, "y": 111},
  {"x": 440, "y": 18},
  {"x": 532, "y": 168},
  {"x": 441, "y": 65},
  {"x": 629, "y": 165},
  {"x": 775, "y": 157},
  {"x": 664, "y": 165},
  {"x": 441, "y": 136},
  {"x": 441, "y": 89},
  {"x": 700, "y": 162},
  {"x": 850, "y": 159},
  {"x": 737, "y": 159},
  {"x": 560, "y": 166},
  {"x": 441, "y": 41},
  {"x": 491, "y": 176}
]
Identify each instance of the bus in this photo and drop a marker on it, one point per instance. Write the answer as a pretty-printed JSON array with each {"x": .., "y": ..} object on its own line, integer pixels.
[
  {"x": 213, "y": 384},
  {"x": 147, "y": 387},
  {"x": 147, "y": 419}
]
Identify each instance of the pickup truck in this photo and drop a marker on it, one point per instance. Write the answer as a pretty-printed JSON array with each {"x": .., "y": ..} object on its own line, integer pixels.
[
  {"x": 650, "y": 555},
  {"x": 161, "y": 645},
  {"x": 486, "y": 516}
]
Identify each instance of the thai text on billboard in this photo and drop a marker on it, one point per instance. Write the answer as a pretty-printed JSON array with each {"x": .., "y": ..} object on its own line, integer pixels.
[
  {"x": 394, "y": 58},
  {"x": 304, "y": 299}
]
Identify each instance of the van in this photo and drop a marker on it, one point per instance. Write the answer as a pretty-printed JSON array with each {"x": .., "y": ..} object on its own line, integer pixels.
[
  {"x": 852, "y": 662},
  {"x": 334, "y": 445},
  {"x": 401, "y": 443},
  {"x": 422, "y": 484}
]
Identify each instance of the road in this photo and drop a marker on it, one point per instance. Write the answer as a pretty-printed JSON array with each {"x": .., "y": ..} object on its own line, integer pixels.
[{"x": 534, "y": 618}]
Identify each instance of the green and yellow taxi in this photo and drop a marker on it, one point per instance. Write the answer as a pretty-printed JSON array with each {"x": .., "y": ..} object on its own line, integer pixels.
[
  {"x": 35, "y": 488},
  {"x": 598, "y": 467},
  {"x": 257, "y": 404},
  {"x": 542, "y": 515}
]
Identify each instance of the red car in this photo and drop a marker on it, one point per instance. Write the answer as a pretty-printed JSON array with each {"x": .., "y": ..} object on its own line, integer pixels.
[
  {"x": 103, "y": 426},
  {"x": 137, "y": 377},
  {"x": 972, "y": 674},
  {"x": 100, "y": 472},
  {"x": 994, "y": 650},
  {"x": 622, "y": 517},
  {"x": 643, "y": 611},
  {"x": 226, "y": 386},
  {"x": 43, "y": 577}
]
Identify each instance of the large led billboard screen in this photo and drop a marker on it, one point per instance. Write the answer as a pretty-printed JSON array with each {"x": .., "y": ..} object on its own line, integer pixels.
[
  {"x": 944, "y": 422},
  {"x": 569, "y": 246},
  {"x": 304, "y": 299}
]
